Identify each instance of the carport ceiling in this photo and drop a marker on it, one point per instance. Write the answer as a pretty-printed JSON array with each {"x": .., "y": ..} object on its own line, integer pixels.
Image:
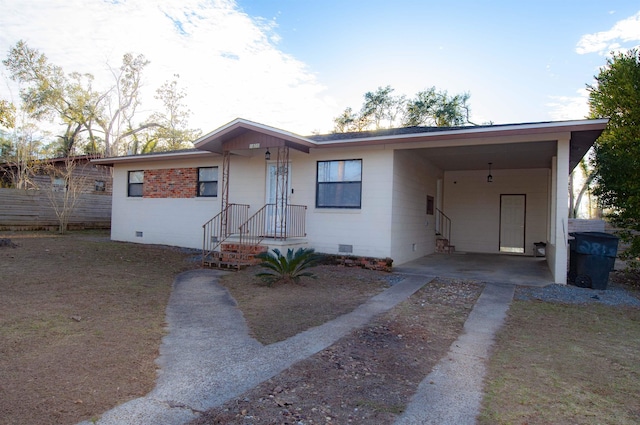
[{"x": 502, "y": 156}]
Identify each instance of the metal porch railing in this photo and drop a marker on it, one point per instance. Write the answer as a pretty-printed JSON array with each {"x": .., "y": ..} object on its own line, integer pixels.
[
  {"x": 443, "y": 225},
  {"x": 277, "y": 223},
  {"x": 222, "y": 226}
]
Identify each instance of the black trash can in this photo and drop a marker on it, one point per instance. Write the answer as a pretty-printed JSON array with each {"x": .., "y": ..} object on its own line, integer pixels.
[{"x": 592, "y": 256}]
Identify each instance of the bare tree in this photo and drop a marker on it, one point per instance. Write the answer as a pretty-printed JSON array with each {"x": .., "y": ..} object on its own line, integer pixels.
[
  {"x": 68, "y": 182},
  {"x": 116, "y": 108},
  {"x": 172, "y": 132}
]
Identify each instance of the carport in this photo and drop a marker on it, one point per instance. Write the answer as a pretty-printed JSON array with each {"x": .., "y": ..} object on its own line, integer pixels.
[{"x": 501, "y": 190}]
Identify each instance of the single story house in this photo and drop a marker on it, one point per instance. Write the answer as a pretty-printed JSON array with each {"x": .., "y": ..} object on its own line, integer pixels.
[{"x": 398, "y": 193}]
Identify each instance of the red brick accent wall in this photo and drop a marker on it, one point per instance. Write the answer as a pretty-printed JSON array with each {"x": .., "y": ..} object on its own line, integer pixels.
[{"x": 170, "y": 183}]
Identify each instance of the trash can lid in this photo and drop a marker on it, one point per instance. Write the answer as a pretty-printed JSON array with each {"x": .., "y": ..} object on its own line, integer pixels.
[{"x": 594, "y": 235}]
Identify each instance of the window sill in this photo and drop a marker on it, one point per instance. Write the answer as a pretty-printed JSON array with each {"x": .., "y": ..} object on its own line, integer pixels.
[{"x": 337, "y": 210}]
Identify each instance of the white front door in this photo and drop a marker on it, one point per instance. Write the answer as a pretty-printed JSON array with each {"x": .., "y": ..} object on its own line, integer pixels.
[
  {"x": 276, "y": 208},
  {"x": 512, "y": 221}
]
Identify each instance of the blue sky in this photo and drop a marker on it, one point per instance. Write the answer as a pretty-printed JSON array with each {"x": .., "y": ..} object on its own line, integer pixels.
[{"x": 297, "y": 64}]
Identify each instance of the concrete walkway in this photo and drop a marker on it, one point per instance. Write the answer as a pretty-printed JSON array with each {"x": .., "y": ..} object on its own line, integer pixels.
[
  {"x": 452, "y": 392},
  {"x": 208, "y": 358}
]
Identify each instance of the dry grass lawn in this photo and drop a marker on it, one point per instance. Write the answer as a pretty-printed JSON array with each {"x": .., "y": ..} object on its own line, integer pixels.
[
  {"x": 293, "y": 308},
  {"x": 565, "y": 364},
  {"x": 81, "y": 319}
]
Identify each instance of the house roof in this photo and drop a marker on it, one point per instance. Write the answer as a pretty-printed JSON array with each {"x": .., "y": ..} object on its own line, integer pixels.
[
  {"x": 464, "y": 132},
  {"x": 332, "y": 137},
  {"x": 469, "y": 147}
]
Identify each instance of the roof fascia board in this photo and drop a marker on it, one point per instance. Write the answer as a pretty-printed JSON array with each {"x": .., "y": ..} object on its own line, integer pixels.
[
  {"x": 153, "y": 157},
  {"x": 483, "y": 132}
]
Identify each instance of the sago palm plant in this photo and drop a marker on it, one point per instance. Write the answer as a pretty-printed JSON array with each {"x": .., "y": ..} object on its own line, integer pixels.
[{"x": 288, "y": 268}]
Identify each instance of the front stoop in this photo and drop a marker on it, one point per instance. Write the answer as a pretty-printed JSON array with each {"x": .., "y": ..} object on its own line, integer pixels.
[
  {"x": 234, "y": 256},
  {"x": 442, "y": 246}
]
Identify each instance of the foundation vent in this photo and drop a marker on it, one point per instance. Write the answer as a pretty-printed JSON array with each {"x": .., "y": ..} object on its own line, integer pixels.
[{"x": 347, "y": 249}]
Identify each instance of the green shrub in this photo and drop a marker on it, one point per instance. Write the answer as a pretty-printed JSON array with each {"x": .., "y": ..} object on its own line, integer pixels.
[{"x": 287, "y": 268}]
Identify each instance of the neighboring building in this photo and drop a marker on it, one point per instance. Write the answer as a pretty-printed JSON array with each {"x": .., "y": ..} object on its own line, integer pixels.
[
  {"x": 49, "y": 174},
  {"x": 395, "y": 194},
  {"x": 34, "y": 206}
]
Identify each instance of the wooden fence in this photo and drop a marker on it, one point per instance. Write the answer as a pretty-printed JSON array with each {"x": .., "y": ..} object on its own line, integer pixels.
[
  {"x": 584, "y": 225},
  {"x": 32, "y": 209}
]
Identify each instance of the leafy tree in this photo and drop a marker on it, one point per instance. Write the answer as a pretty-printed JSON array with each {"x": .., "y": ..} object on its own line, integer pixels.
[
  {"x": 433, "y": 108},
  {"x": 381, "y": 106},
  {"x": 141, "y": 144},
  {"x": 287, "y": 268},
  {"x": 616, "y": 95},
  {"x": 428, "y": 108},
  {"x": 350, "y": 121},
  {"x": 96, "y": 121},
  {"x": 7, "y": 114},
  {"x": 49, "y": 94},
  {"x": 19, "y": 151}
]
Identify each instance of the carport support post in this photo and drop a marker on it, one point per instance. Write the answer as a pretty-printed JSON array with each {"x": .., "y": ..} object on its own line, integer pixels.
[{"x": 559, "y": 234}]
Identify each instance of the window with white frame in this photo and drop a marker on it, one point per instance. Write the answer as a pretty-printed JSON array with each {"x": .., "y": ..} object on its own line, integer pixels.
[
  {"x": 100, "y": 186},
  {"x": 339, "y": 184},
  {"x": 136, "y": 182},
  {"x": 208, "y": 181}
]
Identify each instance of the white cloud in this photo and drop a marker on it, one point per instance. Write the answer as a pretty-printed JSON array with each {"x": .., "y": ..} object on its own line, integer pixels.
[
  {"x": 228, "y": 62},
  {"x": 563, "y": 108},
  {"x": 624, "y": 31}
]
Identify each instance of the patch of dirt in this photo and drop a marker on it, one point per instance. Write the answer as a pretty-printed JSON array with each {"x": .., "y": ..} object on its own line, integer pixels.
[
  {"x": 366, "y": 377},
  {"x": 628, "y": 279}
]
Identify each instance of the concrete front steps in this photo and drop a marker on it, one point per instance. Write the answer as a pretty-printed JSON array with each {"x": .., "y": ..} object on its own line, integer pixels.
[{"x": 442, "y": 246}]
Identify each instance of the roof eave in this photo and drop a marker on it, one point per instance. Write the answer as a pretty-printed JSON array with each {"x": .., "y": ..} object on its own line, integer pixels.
[
  {"x": 150, "y": 157},
  {"x": 471, "y": 132}
]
